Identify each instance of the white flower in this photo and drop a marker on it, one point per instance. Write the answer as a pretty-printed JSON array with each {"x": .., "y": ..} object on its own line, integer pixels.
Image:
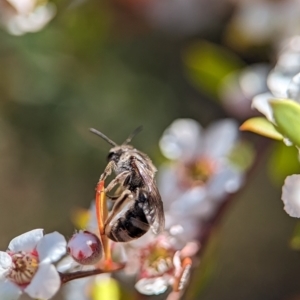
[
  {"x": 240, "y": 86},
  {"x": 287, "y": 66},
  {"x": 27, "y": 265},
  {"x": 156, "y": 266},
  {"x": 291, "y": 195},
  {"x": 20, "y": 17},
  {"x": 161, "y": 265},
  {"x": 153, "y": 286},
  {"x": 184, "y": 228},
  {"x": 200, "y": 174},
  {"x": 262, "y": 101},
  {"x": 283, "y": 81},
  {"x": 261, "y": 22}
]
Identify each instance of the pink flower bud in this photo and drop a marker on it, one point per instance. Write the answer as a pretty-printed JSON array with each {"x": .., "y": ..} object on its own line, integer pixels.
[{"x": 85, "y": 248}]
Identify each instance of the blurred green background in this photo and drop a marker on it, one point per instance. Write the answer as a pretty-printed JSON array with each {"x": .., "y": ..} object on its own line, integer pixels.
[{"x": 114, "y": 65}]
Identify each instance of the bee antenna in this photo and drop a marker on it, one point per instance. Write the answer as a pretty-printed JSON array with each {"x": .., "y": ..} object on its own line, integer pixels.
[
  {"x": 133, "y": 134},
  {"x": 95, "y": 131}
]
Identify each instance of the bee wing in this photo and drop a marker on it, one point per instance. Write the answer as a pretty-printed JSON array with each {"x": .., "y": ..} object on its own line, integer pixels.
[
  {"x": 154, "y": 213},
  {"x": 153, "y": 208}
]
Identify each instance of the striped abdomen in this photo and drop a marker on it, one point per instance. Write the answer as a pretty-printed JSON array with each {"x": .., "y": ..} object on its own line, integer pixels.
[{"x": 129, "y": 221}]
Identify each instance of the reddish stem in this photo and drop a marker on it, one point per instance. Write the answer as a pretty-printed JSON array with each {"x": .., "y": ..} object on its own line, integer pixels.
[{"x": 81, "y": 274}]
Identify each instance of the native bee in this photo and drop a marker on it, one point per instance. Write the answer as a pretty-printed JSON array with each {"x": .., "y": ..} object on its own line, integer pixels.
[{"x": 138, "y": 207}]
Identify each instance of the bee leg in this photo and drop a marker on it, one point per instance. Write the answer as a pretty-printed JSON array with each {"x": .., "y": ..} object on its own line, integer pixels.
[
  {"x": 117, "y": 194},
  {"x": 119, "y": 178},
  {"x": 125, "y": 195},
  {"x": 107, "y": 170},
  {"x": 113, "y": 198}
]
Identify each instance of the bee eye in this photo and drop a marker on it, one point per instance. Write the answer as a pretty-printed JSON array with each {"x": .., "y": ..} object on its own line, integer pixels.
[{"x": 110, "y": 156}]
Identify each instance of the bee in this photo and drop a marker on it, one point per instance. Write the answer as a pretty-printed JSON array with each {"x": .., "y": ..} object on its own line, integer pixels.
[{"x": 139, "y": 206}]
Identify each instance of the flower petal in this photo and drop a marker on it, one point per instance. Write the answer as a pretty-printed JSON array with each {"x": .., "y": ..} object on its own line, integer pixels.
[
  {"x": 76, "y": 290},
  {"x": 67, "y": 264},
  {"x": 181, "y": 139},
  {"x": 293, "y": 91},
  {"x": 261, "y": 103},
  {"x": 183, "y": 228},
  {"x": 289, "y": 60},
  {"x": 5, "y": 262},
  {"x": 45, "y": 283},
  {"x": 167, "y": 180},
  {"x": 51, "y": 247},
  {"x": 291, "y": 195},
  {"x": 190, "y": 198},
  {"x": 26, "y": 241},
  {"x": 278, "y": 81},
  {"x": 152, "y": 286},
  {"x": 32, "y": 21},
  {"x": 227, "y": 181},
  {"x": 9, "y": 290},
  {"x": 193, "y": 203},
  {"x": 219, "y": 138},
  {"x": 22, "y": 7},
  {"x": 253, "y": 79}
]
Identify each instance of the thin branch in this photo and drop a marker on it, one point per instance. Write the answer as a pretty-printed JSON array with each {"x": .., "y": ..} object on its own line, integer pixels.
[{"x": 66, "y": 277}]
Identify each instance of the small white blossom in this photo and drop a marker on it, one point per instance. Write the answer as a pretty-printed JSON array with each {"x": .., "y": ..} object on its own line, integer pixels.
[
  {"x": 153, "y": 286},
  {"x": 157, "y": 262},
  {"x": 262, "y": 101},
  {"x": 27, "y": 265},
  {"x": 283, "y": 81},
  {"x": 240, "y": 86},
  {"x": 263, "y": 22},
  {"x": 200, "y": 174},
  {"x": 291, "y": 195},
  {"x": 22, "y": 16}
]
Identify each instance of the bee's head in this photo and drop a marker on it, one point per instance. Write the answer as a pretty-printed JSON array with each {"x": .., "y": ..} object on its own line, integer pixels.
[{"x": 114, "y": 154}]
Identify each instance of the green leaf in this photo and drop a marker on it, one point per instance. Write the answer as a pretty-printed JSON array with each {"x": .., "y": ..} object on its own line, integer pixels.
[
  {"x": 207, "y": 64},
  {"x": 287, "y": 117},
  {"x": 262, "y": 126}
]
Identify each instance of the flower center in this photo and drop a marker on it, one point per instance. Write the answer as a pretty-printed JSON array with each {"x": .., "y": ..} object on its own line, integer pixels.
[
  {"x": 200, "y": 171},
  {"x": 159, "y": 261},
  {"x": 24, "y": 266}
]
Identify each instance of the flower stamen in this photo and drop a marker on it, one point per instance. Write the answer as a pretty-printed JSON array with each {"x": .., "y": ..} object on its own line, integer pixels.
[
  {"x": 24, "y": 267},
  {"x": 198, "y": 172},
  {"x": 157, "y": 260}
]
